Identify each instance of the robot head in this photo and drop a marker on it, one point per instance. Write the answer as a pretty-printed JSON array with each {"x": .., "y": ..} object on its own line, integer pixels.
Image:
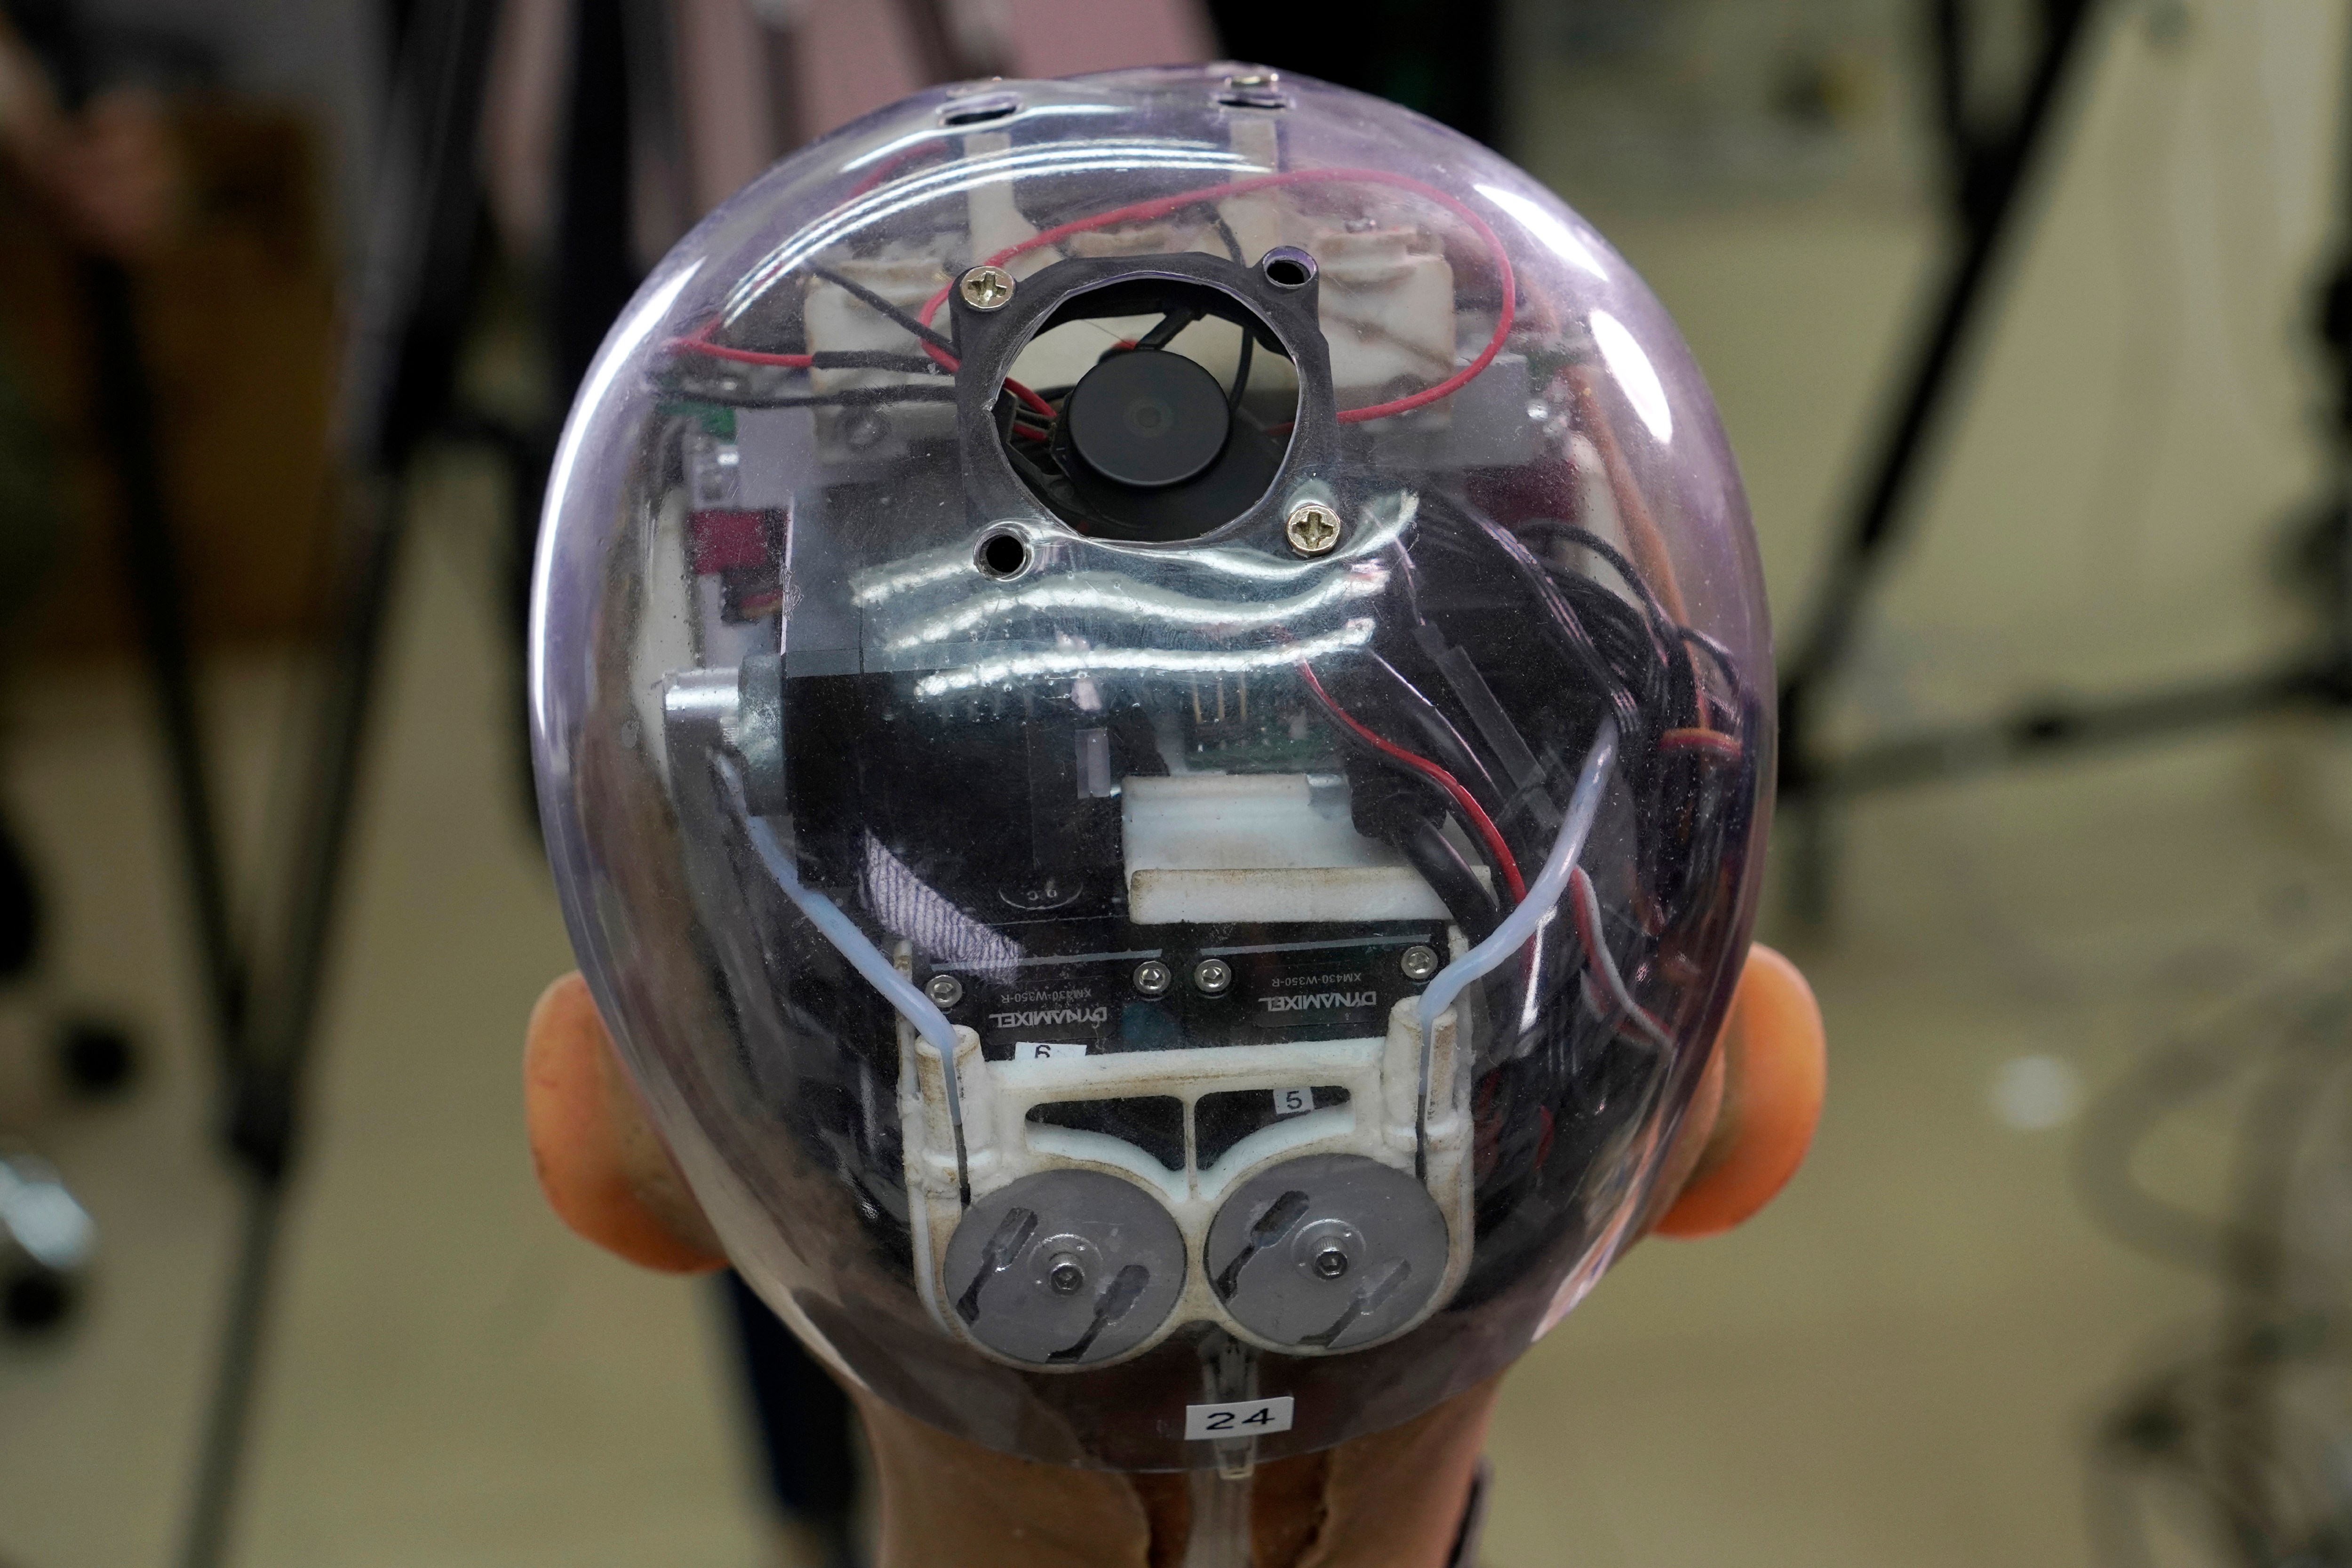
[{"x": 1151, "y": 704}]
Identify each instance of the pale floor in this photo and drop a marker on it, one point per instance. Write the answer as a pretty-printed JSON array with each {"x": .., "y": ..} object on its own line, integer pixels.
[{"x": 1898, "y": 1364}]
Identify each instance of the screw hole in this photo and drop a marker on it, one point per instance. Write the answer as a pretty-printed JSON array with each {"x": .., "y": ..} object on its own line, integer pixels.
[
  {"x": 1004, "y": 555},
  {"x": 980, "y": 109},
  {"x": 1288, "y": 267}
]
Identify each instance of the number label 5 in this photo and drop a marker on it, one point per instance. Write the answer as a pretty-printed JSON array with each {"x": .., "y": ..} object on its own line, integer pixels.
[
  {"x": 1291, "y": 1102},
  {"x": 1241, "y": 1418}
]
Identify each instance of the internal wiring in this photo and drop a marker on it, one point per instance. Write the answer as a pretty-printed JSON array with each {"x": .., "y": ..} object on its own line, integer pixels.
[
  {"x": 1161, "y": 206},
  {"x": 1520, "y": 927},
  {"x": 883, "y": 305},
  {"x": 1642, "y": 532},
  {"x": 937, "y": 348},
  {"x": 1506, "y": 864},
  {"x": 1560, "y": 616},
  {"x": 847, "y": 397},
  {"x": 1585, "y": 907},
  {"x": 1664, "y": 628},
  {"x": 1585, "y": 903},
  {"x": 1441, "y": 741},
  {"x": 1661, "y": 624},
  {"x": 941, "y": 350},
  {"x": 697, "y": 344}
]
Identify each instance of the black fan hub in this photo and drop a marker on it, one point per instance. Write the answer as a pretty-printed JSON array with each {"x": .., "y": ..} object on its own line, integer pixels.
[{"x": 1147, "y": 419}]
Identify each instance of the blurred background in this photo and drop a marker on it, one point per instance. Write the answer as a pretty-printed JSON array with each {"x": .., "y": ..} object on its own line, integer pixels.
[{"x": 2040, "y": 297}]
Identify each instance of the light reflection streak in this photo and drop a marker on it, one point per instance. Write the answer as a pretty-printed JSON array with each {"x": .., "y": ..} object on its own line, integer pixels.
[
  {"x": 1546, "y": 226},
  {"x": 1634, "y": 374},
  {"x": 1387, "y": 517},
  {"x": 1108, "y": 593},
  {"x": 922, "y": 571},
  {"x": 1064, "y": 663},
  {"x": 1252, "y": 566}
]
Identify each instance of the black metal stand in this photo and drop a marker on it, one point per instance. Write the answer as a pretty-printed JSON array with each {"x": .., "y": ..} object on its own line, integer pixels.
[
  {"x": 1993, "y": 181},
  {"x": 407, "y": 323}
]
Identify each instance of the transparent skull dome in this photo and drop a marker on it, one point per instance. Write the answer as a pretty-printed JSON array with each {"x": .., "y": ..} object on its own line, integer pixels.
[{"x": 1151, "y": 703}]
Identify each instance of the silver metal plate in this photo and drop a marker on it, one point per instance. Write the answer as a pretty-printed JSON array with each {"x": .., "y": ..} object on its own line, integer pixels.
[
  {"x": 1064, "y": 1268},
  {"x": 1327, "y": 1252}
]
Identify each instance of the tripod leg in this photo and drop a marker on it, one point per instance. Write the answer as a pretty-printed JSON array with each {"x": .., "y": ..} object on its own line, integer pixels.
[
  {"x": 1994, "y": 203},
  {"x": 20, "y": 908},
  {"x": 407, "y": 321}
]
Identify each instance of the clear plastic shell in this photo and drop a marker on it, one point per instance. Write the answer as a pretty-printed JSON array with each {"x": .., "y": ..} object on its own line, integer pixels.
[{"x": 1152, "y": 697}]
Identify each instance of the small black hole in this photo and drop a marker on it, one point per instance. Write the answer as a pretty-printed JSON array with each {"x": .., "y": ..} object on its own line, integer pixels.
[
  {"x": 980, "y": 110},
  {"x": 1290, "y": 270},
  {"x": 1004, "y": 555}
]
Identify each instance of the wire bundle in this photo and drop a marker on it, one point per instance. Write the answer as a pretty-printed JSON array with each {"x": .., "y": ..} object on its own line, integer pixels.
[{"x": 2250, "y": 1426}]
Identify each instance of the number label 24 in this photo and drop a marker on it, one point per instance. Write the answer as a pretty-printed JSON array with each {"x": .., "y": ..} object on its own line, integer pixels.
[{"x": 1238, "y": 1418}]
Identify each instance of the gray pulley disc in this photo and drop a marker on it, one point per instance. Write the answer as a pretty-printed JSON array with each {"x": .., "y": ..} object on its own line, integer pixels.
[
  {"x": 1064, "y": 1268},
  {"x": 1326, "y": 1252}
]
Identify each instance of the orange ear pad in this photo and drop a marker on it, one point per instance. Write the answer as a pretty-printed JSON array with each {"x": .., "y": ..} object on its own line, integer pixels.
[
  {"x": 1777, "y": 1069},
  {"x": 596, "y": 1156}
]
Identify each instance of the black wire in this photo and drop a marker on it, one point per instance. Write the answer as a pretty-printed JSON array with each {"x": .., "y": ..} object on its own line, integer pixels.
[
  {"x": 1173, "y": 323},
  {"x": 1717, "y": 654},
  {"x": 1249, "y": 339},
  {"x": 847, "y": 397},
  {"x": 1472, "y": 904},
  {"x": 1566, "y": 627},
  {"x": 1669, "y": 634},
  {"x": 1400, "y": 698},
  {"x": 1224, "y": 232},
  {"x": 1422, "y": 783},
  {"x": 876, "y": 302},
  {"x": 874, "y": 359},
  {"x": 1664, "y": 625},
  {"x": 1026, "y": 466}
]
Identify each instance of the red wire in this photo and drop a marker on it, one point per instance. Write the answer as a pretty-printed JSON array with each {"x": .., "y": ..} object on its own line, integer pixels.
[
  {"x": 1161, "y": 205},
  {"x": 1708, "y": 740},
  {"x": 699, "y": 344},
  {"x": 1588, "y": 936},
  {"x": 1139, "y": 211},
  {"x": 1504, "y": 860},
  {"x": 1028, "y": 399},
  {"x": 1031, "y": 400}
]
